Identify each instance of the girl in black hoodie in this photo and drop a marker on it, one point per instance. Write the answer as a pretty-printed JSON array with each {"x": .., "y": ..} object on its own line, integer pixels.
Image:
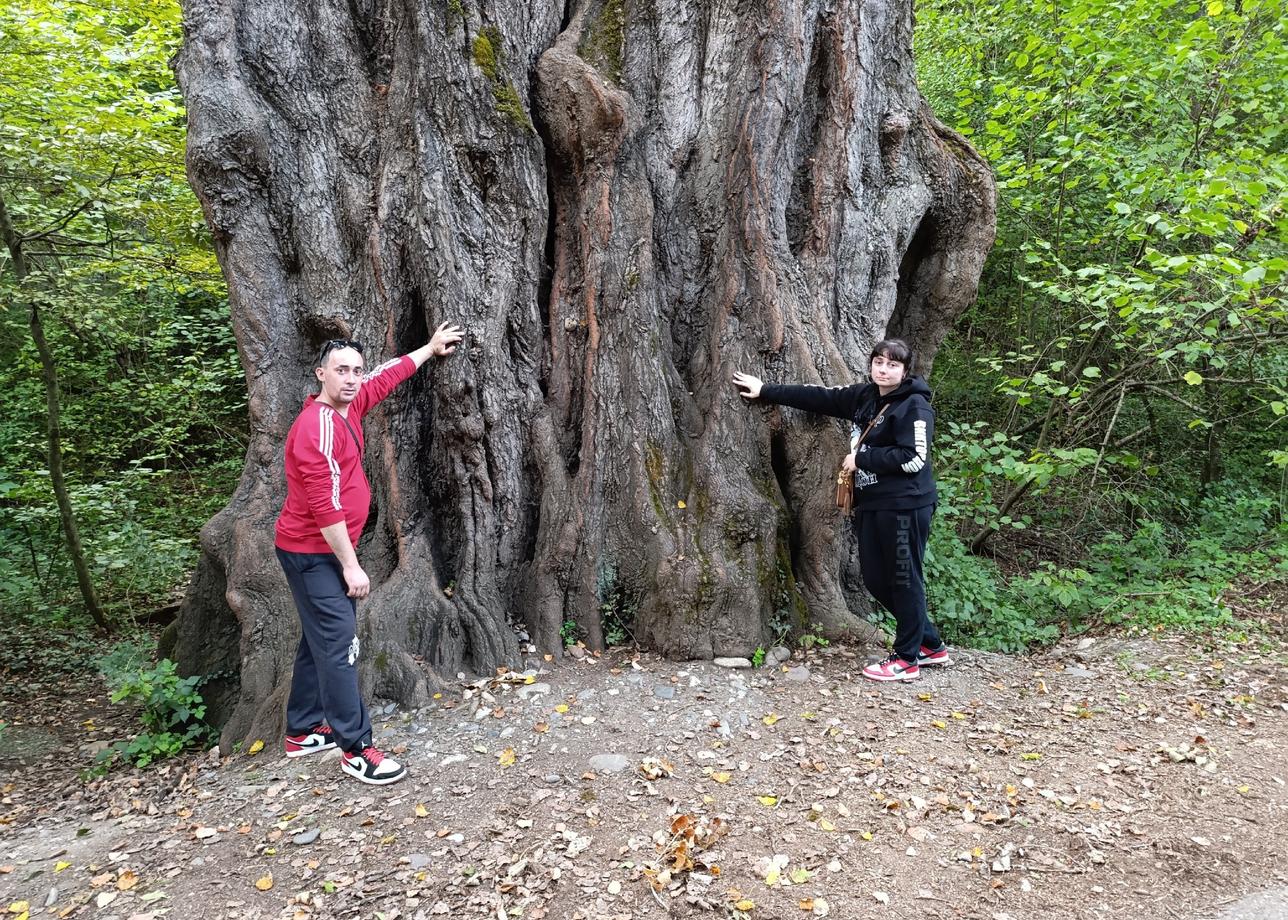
[{"x": 894, "y": 497}]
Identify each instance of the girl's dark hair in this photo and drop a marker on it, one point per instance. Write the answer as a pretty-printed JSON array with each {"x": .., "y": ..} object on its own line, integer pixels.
[{"x": 896, "y": 350}]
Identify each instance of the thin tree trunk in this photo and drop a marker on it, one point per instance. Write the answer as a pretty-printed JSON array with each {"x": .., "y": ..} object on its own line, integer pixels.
[
  {"x": 53, "y": 429},
  {"x": 623, "y": 203}
]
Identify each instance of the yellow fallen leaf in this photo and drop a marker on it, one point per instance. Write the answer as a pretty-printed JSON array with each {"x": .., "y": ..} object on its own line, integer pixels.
[
  {"x": 939, "y": 723},
  {"x": 505, "y": 758},
  {"x": 770, "y": 719},
  {"x": 530, "y": 679},
  {"x": 681, "y": 504},
  {"x": 256, "y": 747},
  {"x": 720, "y": 777},
  {"x": 1030, "y": 756},
  {"x": 265, "y": 883},
  {"x": 745, "y": 904},
  {"x": 126, "y": 880},
  {"x": 769, "y": 801},
  {"x": 809, "y": 716},
  {"x": 807, "y": 904},
  {"x": 771, "y": 878},
  {"x": 60, "y": 866},
  {"x": 1244, "y": 790},
  {"x": 925, "y": 697},
  {"x": 19, "y": 907},
  {"x": 959, "y": 715},
  {"x": 421, "y": 811},
  {"x": 561, "y": 708},
  {"x": 866, "y": 835},
  {"x": 826, "y": 824}
]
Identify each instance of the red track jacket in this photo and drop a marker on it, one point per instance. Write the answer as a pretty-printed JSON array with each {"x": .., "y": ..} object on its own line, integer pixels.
[{"x": 325, "y": 482}]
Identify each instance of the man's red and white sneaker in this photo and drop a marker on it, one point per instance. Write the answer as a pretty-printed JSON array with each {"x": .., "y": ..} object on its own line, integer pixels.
[
  {"x": 892, "y": 668},
  {"x": 932, "y": 657},
  {"x": 372, "y": 766},
  {"x": 320, "y": 739}
]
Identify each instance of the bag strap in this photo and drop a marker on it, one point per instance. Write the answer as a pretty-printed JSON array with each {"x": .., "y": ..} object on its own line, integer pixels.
[
  {"x": 362, "y": 447},
  {"x": 871, "y": 425}
]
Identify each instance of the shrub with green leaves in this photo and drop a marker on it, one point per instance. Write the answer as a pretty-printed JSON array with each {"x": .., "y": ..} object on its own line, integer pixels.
[{"x": 171, "y": 708}]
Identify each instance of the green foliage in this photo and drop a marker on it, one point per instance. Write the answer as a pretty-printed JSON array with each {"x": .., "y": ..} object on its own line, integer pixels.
[
  {"x": 812, "y": 636},
  {"x": 758, "y": 657},
  {"x": 153, "y": 402},
  {"x": 569, "y": 632},
  {"x": 1125, "y": 365},
  {"x": 171, "y": 709}
]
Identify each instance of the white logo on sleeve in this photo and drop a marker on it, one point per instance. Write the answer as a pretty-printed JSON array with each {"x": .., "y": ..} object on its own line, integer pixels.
[{"x": 922, "y": 445}]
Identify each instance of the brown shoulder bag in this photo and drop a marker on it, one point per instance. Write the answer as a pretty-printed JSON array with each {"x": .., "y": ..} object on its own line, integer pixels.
[{"x": 845, "y": 478}]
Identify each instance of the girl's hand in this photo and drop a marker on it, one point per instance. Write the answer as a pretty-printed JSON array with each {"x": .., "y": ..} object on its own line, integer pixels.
[
  {"x": 748, "y": 386},
  {"x": 847, "y": 465}
]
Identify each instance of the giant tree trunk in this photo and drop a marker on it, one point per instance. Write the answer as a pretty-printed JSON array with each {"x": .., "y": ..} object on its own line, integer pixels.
[{"x": 623, "y": 203}]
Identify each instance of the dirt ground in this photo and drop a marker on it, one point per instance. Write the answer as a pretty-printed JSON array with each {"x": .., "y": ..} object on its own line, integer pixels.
[{"x": 1107, "y": 777}]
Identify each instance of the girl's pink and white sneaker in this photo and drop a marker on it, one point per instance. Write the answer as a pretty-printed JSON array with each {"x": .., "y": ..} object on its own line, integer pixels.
[
  {"x": 937, "y": 656},
  {"x": 892, "y": 668}
]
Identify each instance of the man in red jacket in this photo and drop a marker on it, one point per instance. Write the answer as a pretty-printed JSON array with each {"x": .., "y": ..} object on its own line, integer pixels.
[{"x": 327, "y": 498}]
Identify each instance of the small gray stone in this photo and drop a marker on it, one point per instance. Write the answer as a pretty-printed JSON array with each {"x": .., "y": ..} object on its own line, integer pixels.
[
  {"x": 51, "y": 897},
  {"x": 664, "y": 692},
  {"x": 800, "y": 674},
  {"x": 731, "y": 662},
  {"x": 1078, "y": 672},
  {"x": 451, "y": 759},
  {"x": 418, "y": 860},
  {"x": 609, "y": 763},
  {"x": 553, "y": 779},
  {"x": 307, "y": 837},
  {"x": 530, "y": 690},
  {"x": 389, "y": 709},
  {"x": 587, "y": 694},
  {"x": 779, "y": 654},
  {"x": 576, "y": 651}
]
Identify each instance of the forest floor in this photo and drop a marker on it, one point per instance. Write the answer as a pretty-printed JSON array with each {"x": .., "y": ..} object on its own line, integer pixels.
[{"x": 1107, "y": 777}]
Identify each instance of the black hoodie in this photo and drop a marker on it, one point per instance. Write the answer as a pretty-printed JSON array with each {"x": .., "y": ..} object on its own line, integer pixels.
[{"x": 894, "y": 460}]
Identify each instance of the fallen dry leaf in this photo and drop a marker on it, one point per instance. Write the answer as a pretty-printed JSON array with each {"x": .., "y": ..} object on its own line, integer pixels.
[
  {"x": 256, "y": 747},
  {"x": 265, "y": 883},
  {"x": 126, "y": 880}
]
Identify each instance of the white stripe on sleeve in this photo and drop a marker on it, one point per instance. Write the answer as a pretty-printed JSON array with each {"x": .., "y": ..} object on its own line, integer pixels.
[{"x": 326, "y": 444}]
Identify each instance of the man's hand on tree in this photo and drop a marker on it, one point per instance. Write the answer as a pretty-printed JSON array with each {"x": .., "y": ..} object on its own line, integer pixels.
[
  {"x": 446, "y": 338},
  {"x": 358, "y": 582}
]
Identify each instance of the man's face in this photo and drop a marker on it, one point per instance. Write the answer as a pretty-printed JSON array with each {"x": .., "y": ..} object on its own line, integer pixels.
[{"x": 341, "y": 374}]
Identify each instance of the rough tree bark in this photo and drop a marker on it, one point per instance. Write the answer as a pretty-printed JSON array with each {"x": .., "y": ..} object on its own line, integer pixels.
[{"x": 622, "y": 202}]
